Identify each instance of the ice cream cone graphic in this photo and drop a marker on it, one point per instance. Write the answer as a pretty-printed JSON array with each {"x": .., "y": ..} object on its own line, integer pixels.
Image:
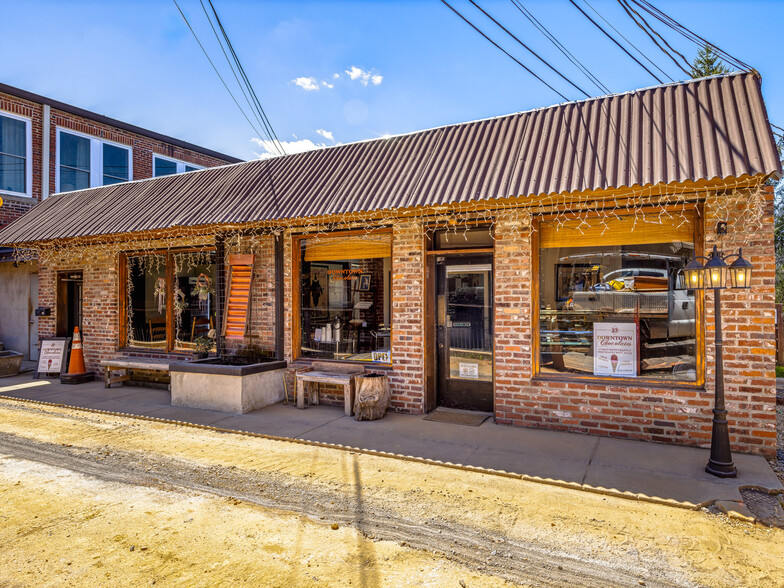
[{"x": 614, "y": 362}]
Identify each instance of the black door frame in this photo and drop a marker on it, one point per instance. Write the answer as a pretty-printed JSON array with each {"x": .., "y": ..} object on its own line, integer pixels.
[{"x": 457, "y": 392}]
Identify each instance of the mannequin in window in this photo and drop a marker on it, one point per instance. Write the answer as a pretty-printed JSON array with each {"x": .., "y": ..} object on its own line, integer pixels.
[{"x": 316, "y": 290}]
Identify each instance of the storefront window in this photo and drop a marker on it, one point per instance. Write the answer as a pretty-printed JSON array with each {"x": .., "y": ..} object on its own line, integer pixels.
[
  {"x": 194, "y": 299},
  {"x": 345, "y": 298},
  {"x": 160, "y": 302},
  {"x": 608, "y": 299},
  {"x": 147, "y": 300}
]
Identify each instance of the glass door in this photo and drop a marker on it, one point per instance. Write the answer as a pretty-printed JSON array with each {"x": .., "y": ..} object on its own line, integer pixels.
[{"x": 464, "y": 333}]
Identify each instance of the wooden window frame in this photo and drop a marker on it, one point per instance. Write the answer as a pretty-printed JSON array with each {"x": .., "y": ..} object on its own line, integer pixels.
[
  {"x": 640, "y": 382},
  {"x": 123, "y": 344},
  {"x": 296, "y": 295}
]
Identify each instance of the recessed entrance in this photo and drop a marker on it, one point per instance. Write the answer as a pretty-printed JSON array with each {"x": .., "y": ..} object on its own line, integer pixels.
[
  {"x": 464, "y": 331},
  {"x": 69, "y": 303}
]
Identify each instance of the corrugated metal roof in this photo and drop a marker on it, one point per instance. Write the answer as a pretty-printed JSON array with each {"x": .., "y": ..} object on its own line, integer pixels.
[{"x": 700, "y": 129}]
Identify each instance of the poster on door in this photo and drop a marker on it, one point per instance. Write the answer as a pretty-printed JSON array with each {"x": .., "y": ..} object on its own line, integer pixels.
[{"x": 615, "y": 349}]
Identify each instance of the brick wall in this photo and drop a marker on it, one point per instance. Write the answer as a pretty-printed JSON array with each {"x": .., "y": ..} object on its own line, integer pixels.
[
  {"x": 407, "y": 381},
  {"x": 143, "y": 149}
]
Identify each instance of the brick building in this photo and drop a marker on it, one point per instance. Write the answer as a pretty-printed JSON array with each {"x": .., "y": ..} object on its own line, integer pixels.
[
  {"x": 528, "y": 265},
  {"x": 47, "y": 146}
]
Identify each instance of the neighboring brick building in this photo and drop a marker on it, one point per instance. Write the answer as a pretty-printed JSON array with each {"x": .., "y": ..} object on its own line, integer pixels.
[
  {"x": 83, "y": 149},
  {"x": 528, "y": 265}
]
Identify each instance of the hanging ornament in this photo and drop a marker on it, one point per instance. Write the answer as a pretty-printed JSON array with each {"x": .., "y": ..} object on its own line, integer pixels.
[
  {"x": 160, "y": 294},
  {"x": 202, "y": 290}
]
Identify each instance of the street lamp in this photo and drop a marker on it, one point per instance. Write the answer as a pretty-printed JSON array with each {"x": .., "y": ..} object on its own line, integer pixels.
[{"x": 714, "y": 274}]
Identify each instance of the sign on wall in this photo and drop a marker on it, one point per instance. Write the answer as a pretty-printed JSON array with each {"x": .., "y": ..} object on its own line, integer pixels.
[
  {"x": 52, "y": 356},
  {"x": 615, "y": 349}
]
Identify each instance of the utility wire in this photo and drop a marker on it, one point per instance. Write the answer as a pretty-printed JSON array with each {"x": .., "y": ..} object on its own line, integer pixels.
[
  {"x": 548, "y": 35},
  {"x": 609, "y": 36},
  {"x": 650, "y": 31},
  {"x": 215, "y": 68},
  {"x": 637, "y": 49},
  {"x": 689, "y": 34},
  {"x": 497, "y": 46},
  {"x": 531, "y": 51},
  {"x": 242, "y": 89},
  {"x": 268, "y": 125}
]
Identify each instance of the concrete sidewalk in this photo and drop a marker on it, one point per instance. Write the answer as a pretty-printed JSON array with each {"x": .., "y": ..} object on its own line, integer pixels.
[{"x": 639, "y": 469}]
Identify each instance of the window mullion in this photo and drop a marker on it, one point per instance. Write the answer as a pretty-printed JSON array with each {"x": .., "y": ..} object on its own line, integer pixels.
[{"x": 96, "y": 163}]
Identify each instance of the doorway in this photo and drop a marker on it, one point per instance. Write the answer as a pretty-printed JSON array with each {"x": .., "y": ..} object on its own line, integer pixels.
[
  {"x": 69, "y": 303},
  {"x": 464, "y": 332},
  {"x": 32, "y": 347}
]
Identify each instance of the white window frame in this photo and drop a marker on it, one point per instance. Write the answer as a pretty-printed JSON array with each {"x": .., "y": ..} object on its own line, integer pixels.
[
  {"x": 28, "y": 193},
  {"x": 96, "y": 157},
  {"x": 180, "y": 164}
]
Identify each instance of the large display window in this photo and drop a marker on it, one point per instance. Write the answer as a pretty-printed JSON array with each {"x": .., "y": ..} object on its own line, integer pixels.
[
  {"x": 345, "y": 297},
  {"x": 609, "y": 302},
  {"x": 170, "y": 302}
]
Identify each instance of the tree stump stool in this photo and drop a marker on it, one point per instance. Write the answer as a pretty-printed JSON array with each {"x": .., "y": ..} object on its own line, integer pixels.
[{"x": 372, "y": 397}]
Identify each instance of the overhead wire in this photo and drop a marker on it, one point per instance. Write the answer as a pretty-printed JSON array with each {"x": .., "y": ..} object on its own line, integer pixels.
[
  {"x": 531, "y": 51},
  {"x": 609, "y": 36},
  {"x": 552, "y": 38},
  {"x": 265, "y": 118},
  {"x": 637, "y": 49},
  {"x": 650, "y": 31},
  {"x": 195, "y": 36},
  {"x": 231, "y": 66},
  {"x": 497, "y": 46},
  {"x": 689, "y": 34}
]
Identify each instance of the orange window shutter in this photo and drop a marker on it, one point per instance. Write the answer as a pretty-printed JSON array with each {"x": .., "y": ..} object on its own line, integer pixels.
[{"x": 235, "y": 323}]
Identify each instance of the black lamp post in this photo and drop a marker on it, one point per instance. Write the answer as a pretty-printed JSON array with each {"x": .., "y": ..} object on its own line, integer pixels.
[{"x": 714, "y": 275}]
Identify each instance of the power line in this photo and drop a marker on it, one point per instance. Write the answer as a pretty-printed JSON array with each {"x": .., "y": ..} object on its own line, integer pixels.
[
  {"x": 689, "y": 34},
  {"x": 215, "y": 68},
  {"x": 497, "y": 46},
  {"x": 231, "y": 66},
  {"x": 531, "y": 51},
  {"x": 548, "y": 35},
  {"x": 265, "y": 119},
  {"x": 609, "y": 36},
  {"x": 650, "y": 31},
  {"x": 637, "y": 49}
]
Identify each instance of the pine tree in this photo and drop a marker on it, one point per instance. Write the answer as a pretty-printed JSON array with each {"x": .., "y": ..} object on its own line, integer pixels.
[{"x": 707, "y": 63}]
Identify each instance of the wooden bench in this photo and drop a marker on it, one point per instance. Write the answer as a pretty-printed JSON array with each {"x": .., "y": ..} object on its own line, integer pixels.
[
  {"x": 130, "y": 363},
  {"x": 323, "y": 372}
]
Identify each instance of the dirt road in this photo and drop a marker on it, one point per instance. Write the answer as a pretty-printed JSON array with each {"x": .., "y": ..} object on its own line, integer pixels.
[{"x": 90, "y": 499}]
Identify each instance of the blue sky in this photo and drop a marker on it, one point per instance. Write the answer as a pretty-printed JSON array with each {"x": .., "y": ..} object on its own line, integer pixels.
[{"x": 378, "y": 68}]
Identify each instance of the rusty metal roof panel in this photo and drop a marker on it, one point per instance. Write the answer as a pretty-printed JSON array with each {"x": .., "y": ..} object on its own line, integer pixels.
[{"x": 709, "y": 128}]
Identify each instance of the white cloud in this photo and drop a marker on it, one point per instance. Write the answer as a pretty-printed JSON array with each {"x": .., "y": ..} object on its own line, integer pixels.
[
  {"x": 326, "y": 134},
  {"x": 364, "y": 77},
  {"x": 335, "y": 76},
  {"x": 290, "y": 147},
  {"x": 306, "y": 83},
  {"x": 309, "y": 83}
]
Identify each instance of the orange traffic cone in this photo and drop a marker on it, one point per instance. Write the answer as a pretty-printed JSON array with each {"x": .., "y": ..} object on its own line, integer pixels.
[{"x": 77, "y": 372}]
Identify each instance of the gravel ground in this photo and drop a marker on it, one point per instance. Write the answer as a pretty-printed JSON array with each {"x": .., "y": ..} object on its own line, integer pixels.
[{"x": 91, "y": 499}]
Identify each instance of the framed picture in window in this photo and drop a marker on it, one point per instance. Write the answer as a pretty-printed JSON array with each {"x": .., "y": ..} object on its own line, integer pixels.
[
  {"x": 364, "y": 283},
  {"x": 570, "y": 277}
]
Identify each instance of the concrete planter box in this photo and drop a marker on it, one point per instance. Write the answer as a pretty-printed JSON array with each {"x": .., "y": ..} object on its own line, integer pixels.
[
  {"x": 210, "y": 385},
  {"x": 10, "y": 363}
]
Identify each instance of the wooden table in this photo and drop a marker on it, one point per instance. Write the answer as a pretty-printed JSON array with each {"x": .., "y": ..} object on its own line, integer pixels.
[
  {"x": 322, "y": 372},
  {"x": 130, "y": 363}
]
